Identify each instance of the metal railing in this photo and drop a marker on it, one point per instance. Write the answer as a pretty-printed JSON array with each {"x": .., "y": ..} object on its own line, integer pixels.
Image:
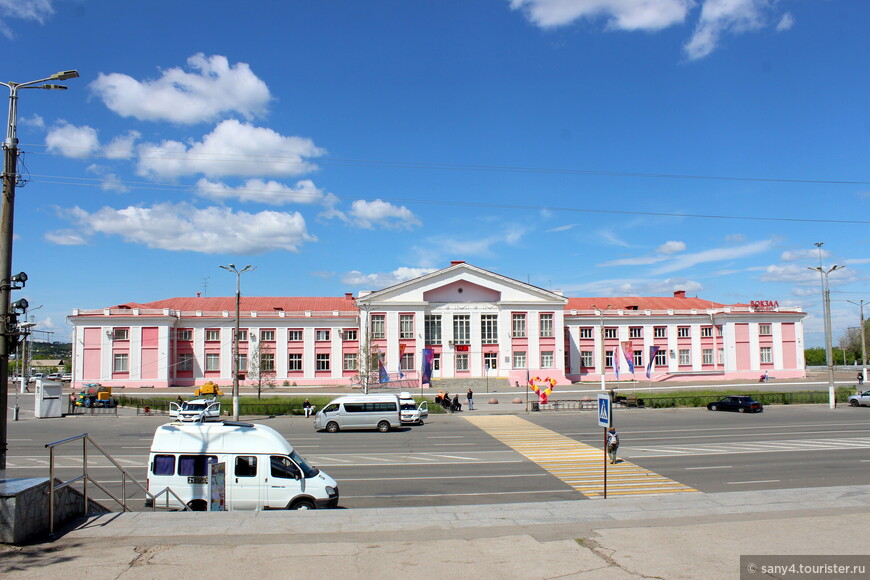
[{"x": 86, "y": 478}]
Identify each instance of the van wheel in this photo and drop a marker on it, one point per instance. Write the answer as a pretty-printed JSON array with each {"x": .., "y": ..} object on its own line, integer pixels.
[
  {"x": 383, "y": 426},
  {"x": 302, "y": 504},
  {"x": 332, "y": 427},
  {"x": 853, "y": 402},
  {"x": 197, "y": 505}
]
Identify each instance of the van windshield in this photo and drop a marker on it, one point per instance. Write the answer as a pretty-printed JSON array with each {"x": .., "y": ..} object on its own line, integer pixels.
[
  {"x": 308, "y": 470},
  {"x": 409, "y": 406}
]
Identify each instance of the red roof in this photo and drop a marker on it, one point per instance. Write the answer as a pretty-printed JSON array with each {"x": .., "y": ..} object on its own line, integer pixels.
[
  {"x": 640, "y": 303},
  {"x": 250, "y": 303}
]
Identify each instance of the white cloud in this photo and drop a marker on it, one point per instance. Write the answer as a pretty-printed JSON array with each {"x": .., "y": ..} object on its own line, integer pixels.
[
  {"x": 383, "y": 279},
  {"x": 791, "y": 273},
  {"x": 785, "y": 23},
  {"x": 33, "y": 121},
  {"x": 620, "y": 14},
  {"x": 183, "y": 227},
  {"x": 684, "y": 261},
  {"x": 381, "y": 214},
  {"x": 635, "y": 261},
  {"x": 804, "y": 254},
  {"x": 611, "y": 238},
  {"x": 635, "y": 287},
  {"x": 66, "y": 238},
  {"x": 72, "y": 141},
  {"x": 213, "y": 88},
  {"x": 122, "y": 147},
  {"x": 232, "y": 148},
  {"x": 721, "y": 16},
  {"x": 671, "y": 247},
  {"x": 259, "y": 191},
  {"x": 564, "y": 228},
  {"x": 37, "y": 10}
]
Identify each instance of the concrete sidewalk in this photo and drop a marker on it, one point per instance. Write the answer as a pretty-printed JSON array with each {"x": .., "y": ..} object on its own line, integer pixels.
[{"x": 690, "y": 536}]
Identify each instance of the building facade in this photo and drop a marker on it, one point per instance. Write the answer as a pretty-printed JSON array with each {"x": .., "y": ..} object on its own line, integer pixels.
[{"x": 476, "y": 324}]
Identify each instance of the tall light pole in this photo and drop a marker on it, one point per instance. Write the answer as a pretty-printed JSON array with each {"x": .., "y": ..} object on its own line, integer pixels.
[
  {"x": 235, "y": 366},
  {"x": 860, "y": 304},
  {"x": 603, "y": 351},
  {"x": 8, "y": 329},
  {"x": 826, "y": 295}
]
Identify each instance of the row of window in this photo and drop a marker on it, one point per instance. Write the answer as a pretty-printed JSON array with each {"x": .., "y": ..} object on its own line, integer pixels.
[
  {"x": 462, "y": 327},
  {"x": 662, "y": 331},
  {"x": 266, "y": 361},
  {"x": 684, "y": 357}
]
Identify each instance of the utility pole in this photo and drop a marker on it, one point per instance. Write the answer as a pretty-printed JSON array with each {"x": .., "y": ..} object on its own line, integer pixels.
[
  {"x": 826, "y": 295},
  {"x": 860, "y": 305},
  {"x": 8, "y": 326},
  {"x": 235, "y": 364}
]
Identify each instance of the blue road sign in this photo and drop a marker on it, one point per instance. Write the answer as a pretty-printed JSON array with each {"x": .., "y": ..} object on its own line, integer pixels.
[{"x": 605, "y": 410}]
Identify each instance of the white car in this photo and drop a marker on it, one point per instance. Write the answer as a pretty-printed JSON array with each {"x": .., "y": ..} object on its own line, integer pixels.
[
  {"x": 195, "y": 410},
  {"x": 410, "y": 413},
  {"x": 860, "y": 400}
]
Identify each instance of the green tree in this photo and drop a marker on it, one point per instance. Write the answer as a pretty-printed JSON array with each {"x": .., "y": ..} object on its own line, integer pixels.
[{"x": 815, "y": 357}]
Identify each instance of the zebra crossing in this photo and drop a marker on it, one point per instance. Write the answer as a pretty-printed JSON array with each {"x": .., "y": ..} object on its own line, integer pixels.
[
  {"x": 784, "y": 446},
  {"x": 577, "y": 464}
]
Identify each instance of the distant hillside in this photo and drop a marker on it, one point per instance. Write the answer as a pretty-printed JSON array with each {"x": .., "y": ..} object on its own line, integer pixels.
[{"x": 52, "y": 350}]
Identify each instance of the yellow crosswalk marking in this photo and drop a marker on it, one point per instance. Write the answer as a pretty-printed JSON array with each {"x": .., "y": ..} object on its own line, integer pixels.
[{"x": 577, "y": 464}]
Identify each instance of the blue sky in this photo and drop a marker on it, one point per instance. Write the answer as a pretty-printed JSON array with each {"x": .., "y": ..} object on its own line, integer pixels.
[{"x": 599, "y": 147}]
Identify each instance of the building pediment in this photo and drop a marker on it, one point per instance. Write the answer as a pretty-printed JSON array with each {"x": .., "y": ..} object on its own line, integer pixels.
[{"x": 461, "y": 283}]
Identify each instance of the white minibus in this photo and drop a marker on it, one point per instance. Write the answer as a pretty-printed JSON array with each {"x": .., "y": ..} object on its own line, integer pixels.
[
  {"x": 379, "y": 412},
  {"x": 262, "y": 470}
]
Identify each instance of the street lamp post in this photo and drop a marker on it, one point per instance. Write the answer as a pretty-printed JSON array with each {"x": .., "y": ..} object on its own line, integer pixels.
[
  {"x": 10, "y": 178},
  {"x": 860, "y": 305},
  {"x": 603, "y": 358},
  {"x": 235, "y": 365},
  {"x": 826, "y": 295}
]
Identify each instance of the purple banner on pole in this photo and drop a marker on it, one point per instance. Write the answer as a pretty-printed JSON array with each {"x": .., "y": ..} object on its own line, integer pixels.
[
  {"x": 652, "y": 360},
  {"x": 428, "y": 359}
]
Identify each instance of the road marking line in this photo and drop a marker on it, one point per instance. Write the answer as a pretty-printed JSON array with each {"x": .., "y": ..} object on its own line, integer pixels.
[
  {"x": 577, "y": 464},
  {"x": 711, "y": 467},
  {"x": 756, "y": 481}
]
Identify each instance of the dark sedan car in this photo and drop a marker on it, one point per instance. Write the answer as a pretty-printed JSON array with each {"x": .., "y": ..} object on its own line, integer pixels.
[{"x": 741, "y": 404}]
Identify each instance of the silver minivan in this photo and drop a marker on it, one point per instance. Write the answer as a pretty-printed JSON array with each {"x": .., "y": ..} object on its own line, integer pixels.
[{"x": 379, "y": 412}]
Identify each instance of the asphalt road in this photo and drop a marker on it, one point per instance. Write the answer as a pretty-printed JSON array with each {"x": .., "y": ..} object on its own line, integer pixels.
[{"x": 451, "y": 461}]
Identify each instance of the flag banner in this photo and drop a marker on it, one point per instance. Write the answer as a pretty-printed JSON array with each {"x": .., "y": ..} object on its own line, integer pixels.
[
  {"x": 653, "y": 350},
  {"x": 401, "y": 354},
  {"x": 628, "y": 353},
  {"x": 428, "y": 359},
  {"x": 614, "y": 357},
  {"x": 383, "y": 375}
]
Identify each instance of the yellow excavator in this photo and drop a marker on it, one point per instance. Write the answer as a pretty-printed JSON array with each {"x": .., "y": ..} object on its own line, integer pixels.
[{"x": 208, "y": 389}]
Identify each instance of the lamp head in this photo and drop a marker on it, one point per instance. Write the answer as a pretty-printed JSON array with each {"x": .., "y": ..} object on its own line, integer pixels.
[
  {"x": 64, "y": 75},
  {"x": 20, "y": 305},
  {"x": 20, "y": 278}
]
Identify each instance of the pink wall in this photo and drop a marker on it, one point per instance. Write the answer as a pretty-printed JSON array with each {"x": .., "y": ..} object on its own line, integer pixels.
[
  {"x": 150, "y": 350},
  {"x": 91, "y": 366}
]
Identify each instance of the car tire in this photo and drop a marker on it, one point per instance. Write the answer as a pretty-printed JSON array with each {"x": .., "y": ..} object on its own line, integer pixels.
[
  {"x": 854, "y": 403},
  {"x": 331, "y": 427},
  {"x": 302, "y": 504},
  {"x": 198, "y": 505},
  {"x": 713, "y": 408},
  {"x": 383, "y": 426},
  {"x": 741, "y": 410}
]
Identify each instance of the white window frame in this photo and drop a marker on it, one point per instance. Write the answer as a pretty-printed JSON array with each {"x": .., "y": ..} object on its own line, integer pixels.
[
  {"x": 519, "y": 359},
  {"x": 635, "y": 332},
  {"x": 611, "y": 332},
  {"x": 378, "y": 324},
  {"x": 706, "y": 331},
  {"x": 765, "y": 329},
  {"x": 406, "y": 363},
  {"x": 660, "y": 332},
  {"x": 489, "y": 328},
  {"x": 212, "y": 335},
  {"x": 490, "y": 360},
  {"x": 685, "y": 355},
  {"x": 121, "y": 362},
  {"x": 291, "y": 361},
  {"x": 518, "y": 325},
  {"x": 350, "y": 361},
  {"x": 432, "y": 329},
  {"x": 684, "y": 332},
  {"x": 120, "y": 334},
  {"x": 294, "y": 335},
  {"x": 267, "y": 362},
  {"x": 212, "y": 362},
  {"x": 185, "y": 361},
  {"x": 585, "y": 332},
  {"x": 349, "y": 334},
  {"x": 321, "y": 334},
  {"x": 321, "y": 361},
  {"x": 406, "y": 326},
  {"x": 267, "y": 336},
  {"x": 185, "y": 334},
  {"x": 462, "y": 361},
  {"x": 548, "y": 361},
  {"x": 766, "y": 355},
  {"x": 462, "y": 329},
  {"x": 546, "y": 325},
  {"x": 587, "y": 359},
  {"x": 707, "y": 356}
]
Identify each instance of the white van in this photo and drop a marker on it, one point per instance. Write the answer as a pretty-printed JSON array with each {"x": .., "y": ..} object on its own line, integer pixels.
[
  {"x": 263, "y": 471},
  {"x": 411, "y": 414},
  {"x": 379, "y": 412}
]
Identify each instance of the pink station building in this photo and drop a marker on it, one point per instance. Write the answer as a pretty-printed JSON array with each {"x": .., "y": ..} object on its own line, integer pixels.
[{"x": 476, "y": 323}]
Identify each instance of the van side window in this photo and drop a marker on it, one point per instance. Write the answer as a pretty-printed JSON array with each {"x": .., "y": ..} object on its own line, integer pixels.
[
  {"x": 369, "y": 407},
  {"x": 330, "y": 408},
  {"x": 196, "y": 465},
  {"x": 246, "y": 466},
  {"x": 284, "y": 468},
  {"x": 164, "y": 465}
]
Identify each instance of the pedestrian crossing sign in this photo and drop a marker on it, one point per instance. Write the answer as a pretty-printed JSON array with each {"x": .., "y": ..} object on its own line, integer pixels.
[{"x": 605, "y": 415}]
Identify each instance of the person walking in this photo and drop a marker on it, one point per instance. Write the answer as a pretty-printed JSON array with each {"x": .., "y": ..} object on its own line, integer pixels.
[
  {"x": 612, "y": 444},
  {"x": 470, "y": 397}
]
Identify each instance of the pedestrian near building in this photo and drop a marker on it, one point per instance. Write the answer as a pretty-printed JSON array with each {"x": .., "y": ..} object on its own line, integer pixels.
[
  {"x": 306, "y": 406},
  {"x": 612, "y": 444},
  {"x": 470, "y": 397}
]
